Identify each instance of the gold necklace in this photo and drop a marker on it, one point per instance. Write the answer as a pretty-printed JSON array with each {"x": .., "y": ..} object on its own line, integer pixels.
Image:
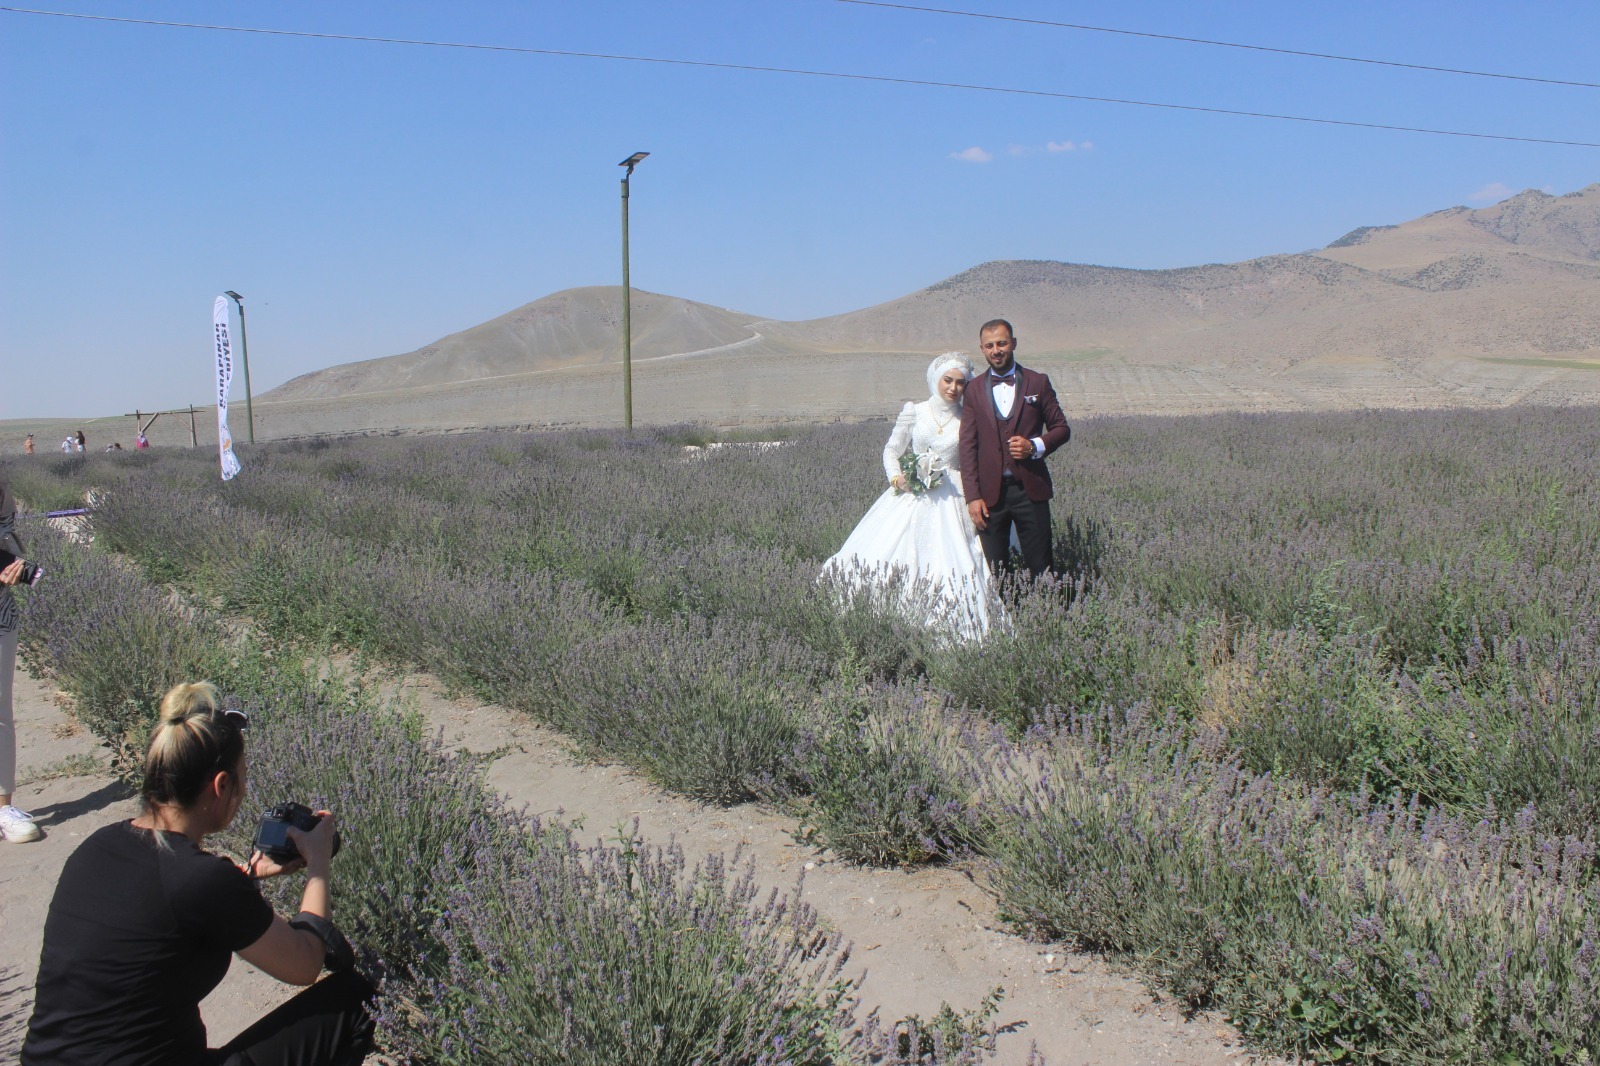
[{"x": 940, "y": 424}]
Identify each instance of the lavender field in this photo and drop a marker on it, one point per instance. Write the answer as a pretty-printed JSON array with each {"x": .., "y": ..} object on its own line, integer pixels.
[
  {"x": 1308, "y": 733},
  {"x": 496, "y": 937}
]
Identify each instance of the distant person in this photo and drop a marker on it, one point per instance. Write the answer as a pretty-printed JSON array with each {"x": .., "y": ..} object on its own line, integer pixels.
[
  {"x": 1013, "y": 423},
  {"x": 83, "y": 443},
  {"x": 69, "y": 445},
  {"x": 16, "y": 824},
  {"x": 145, "y": 923},
  {"x": 923, "y": 534},
  {"x": 140, "y": 441},
  {"x": 27, "y": 445}
]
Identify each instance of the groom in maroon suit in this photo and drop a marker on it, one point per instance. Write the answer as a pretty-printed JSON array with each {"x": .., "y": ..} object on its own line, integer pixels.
[{"x": 1010, "y": 422}]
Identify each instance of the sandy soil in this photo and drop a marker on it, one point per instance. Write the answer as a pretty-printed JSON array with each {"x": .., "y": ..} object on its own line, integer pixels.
[{"x": 923, "y": 936}]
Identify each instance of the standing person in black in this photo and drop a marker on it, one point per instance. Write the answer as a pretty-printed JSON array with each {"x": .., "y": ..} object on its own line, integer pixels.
[
  {"x": 1012, "y": 422},
  {"x": 144, "y": 923}
]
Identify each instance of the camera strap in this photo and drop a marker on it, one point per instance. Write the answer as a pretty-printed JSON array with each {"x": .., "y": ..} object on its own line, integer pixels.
[{"x": 340, "y": 955}]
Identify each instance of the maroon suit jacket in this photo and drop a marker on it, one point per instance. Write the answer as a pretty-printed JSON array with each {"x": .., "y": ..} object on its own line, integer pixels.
[{"x": 1036, "y": 413}]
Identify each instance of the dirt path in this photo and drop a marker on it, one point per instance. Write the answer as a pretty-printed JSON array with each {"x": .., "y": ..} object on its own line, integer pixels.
[{"x": 923, "y": 936}]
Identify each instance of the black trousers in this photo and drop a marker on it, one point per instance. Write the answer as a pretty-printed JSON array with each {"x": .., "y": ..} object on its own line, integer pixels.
[
  {"x": 1032, "y": 521},
  {"x": 326, "y": 1025}
]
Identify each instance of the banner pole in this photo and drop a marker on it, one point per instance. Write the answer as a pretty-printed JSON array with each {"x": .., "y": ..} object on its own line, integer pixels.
[{"x": 244, "y": 363}]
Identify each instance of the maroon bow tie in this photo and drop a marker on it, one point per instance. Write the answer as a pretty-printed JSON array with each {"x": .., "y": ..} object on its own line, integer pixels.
[{"x": 1004, "y": 379}]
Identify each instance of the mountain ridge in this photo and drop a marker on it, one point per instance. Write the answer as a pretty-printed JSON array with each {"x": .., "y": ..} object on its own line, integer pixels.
[{"x": 1428, "y": 299}]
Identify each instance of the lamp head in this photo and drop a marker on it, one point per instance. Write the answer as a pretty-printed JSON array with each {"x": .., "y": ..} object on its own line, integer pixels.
[
  {"x": 234, "y": 296},
  {"x": 633, "y": 160}
]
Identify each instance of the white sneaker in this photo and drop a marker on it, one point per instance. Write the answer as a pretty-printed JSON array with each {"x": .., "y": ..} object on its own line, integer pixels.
[{"x": 16, "y": 826}]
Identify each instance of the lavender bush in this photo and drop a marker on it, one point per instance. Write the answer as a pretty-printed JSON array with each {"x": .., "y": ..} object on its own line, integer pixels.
[
  {"x": 622, "y": 954},
  {"x": 112, "y": 641},
  {"x": 705, "y": 709},
  {"x": 1334, "y": 926},
  {"x": 882, "y": 772}
]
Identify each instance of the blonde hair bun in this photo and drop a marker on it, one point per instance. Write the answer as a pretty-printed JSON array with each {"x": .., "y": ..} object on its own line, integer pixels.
[
  {"x": 189, "y": 745},
  {"x": 181, "y": 701}
]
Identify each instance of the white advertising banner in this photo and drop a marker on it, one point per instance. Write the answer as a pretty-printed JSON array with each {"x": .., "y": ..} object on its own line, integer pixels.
[{"x": 219, "y": 325}]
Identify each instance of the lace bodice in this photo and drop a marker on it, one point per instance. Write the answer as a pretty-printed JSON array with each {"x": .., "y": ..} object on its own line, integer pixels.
[{"x": 922, "y": 428}]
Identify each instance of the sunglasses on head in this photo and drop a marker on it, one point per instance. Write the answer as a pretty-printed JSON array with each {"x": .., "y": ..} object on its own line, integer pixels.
[{"x": 240, "y": 719}]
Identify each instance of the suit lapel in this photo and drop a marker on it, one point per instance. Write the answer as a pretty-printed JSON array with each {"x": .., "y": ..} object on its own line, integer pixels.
[{"x": 987, "y": 403}]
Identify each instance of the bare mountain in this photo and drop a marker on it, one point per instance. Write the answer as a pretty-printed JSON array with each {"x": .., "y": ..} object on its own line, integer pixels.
[
  {"x": 1536, "y": 233},
  {"x": 1372, "y": 274},
  {"x": 1499, "y": 305},
  {"x": 1067, "y": 306},
  {"x": 576, "y": 327},
  {"x": 1534, "y": 220}
]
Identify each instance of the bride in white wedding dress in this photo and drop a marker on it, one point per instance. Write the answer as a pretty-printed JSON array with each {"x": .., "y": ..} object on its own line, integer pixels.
[{"x": 922, "y": 543}]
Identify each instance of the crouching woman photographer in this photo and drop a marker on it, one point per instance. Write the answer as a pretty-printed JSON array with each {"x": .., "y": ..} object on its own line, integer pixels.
[{"x": 145, "y": 921}]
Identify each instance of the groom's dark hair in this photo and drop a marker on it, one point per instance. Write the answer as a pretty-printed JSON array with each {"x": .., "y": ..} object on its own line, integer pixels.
[{"x": 996, "y": 323}]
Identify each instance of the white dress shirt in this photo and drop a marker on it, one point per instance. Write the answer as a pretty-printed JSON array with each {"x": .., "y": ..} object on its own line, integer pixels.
[{"x": 1004, "y": 390}]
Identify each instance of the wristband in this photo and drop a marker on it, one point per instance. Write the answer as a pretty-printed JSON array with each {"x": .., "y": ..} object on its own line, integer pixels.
[{"x": 340, "y": 956}]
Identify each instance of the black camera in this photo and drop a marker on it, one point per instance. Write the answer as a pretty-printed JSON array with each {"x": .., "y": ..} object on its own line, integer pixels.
[
  {"x": 31, "y": 573},
  {"x": 272, "y": 835}
]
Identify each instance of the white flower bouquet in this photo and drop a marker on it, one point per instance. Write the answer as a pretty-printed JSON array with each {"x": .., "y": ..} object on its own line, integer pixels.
[{"x": 922, "y": 472}]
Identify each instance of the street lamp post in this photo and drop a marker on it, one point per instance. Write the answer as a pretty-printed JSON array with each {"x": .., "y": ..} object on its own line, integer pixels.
[
  {"x": 627, "y": 298},
  {"x": 244, "y": 359}
]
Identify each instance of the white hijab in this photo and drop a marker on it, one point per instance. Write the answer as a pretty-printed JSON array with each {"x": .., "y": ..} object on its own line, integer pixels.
[{"x": 937, "y": 369}]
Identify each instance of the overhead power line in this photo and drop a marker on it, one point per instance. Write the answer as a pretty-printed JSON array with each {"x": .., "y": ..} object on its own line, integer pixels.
[
  {"x": 840, "y": 75},
  {"x": 1220, "y": 44}
]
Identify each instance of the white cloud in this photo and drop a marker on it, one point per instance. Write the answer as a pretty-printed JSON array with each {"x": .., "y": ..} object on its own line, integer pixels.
[
  {"x": 972, "y": 155},
  {"x": 1493, "y": 192},
  {"x": 1061, "y": 146}
]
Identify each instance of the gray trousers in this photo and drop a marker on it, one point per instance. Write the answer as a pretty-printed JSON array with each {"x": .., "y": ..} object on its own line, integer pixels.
[{"x": 8, "y": 727}]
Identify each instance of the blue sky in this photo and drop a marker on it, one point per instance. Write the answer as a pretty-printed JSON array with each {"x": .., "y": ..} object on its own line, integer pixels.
[{"x": 369, "y": 198}]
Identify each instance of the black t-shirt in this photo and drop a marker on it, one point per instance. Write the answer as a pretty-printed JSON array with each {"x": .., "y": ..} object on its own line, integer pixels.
[{"x": 137, "y": 936}]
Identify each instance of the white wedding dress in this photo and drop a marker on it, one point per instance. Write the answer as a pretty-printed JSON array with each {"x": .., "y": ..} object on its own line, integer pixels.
[{"x": 923, "y": 547}]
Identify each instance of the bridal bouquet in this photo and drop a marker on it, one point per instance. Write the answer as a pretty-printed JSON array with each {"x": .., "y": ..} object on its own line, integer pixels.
[{"x": 922, "y": 472}]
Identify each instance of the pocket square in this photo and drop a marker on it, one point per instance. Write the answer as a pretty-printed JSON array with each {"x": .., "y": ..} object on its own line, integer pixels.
[{"x": 1031, "y": 399}]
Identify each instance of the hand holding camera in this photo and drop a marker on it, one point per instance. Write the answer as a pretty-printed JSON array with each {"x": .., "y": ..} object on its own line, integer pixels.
[
  {"x": 291, "y": 835},
  {"x": 16, "y": 571}
]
